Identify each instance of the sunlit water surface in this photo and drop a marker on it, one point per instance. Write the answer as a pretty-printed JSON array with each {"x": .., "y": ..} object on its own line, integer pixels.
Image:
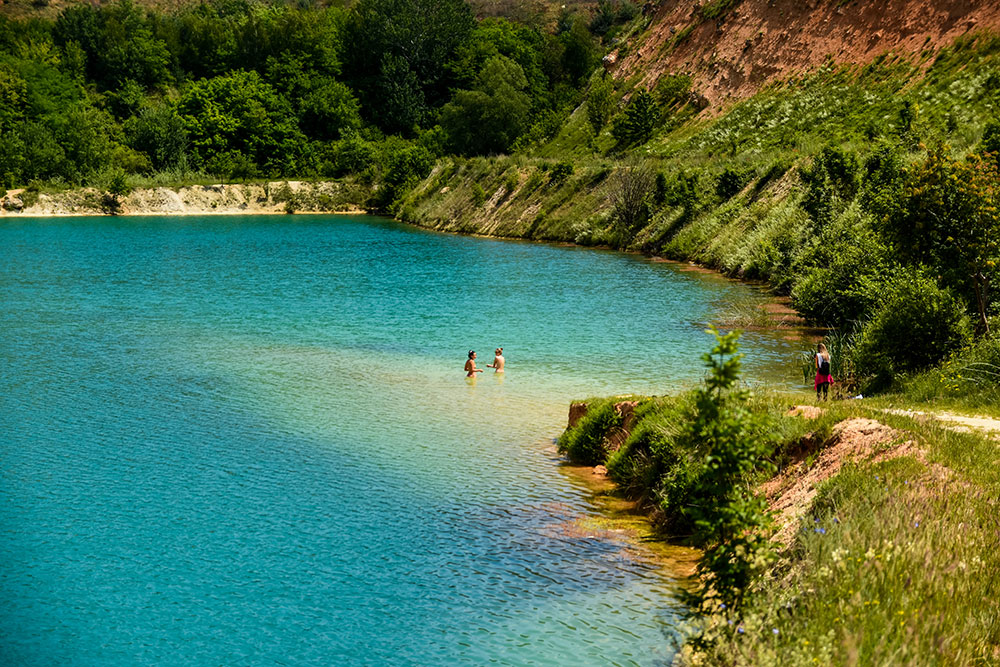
[{"x": 249, "y": 440}]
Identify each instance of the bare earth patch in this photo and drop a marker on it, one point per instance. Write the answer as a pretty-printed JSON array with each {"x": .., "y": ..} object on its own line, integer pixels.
[
  {"x": 790, "y": 493},
  {"x": 955, "y": 422},
  {"x": 805, "y": 411}
]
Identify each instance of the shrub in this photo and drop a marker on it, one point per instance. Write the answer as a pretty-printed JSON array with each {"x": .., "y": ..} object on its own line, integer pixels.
[
  {"x": 478, "y": 195},
  {"x": 651, "y": 449},
  {"x": 840, "y": 277},
  {"x": 991, "y": 139},
  {"x": 510, "y": 183},
  {"x": 948, "y": 218},
  {"x": 534, "y": 180},
  {"x": 831, "y": 183},
  {"x": 917, "y": 325},
  {"x": 600, "y": 103},
  {"x": 630, "y": 192},
  {"x": 561, "y": 171},
  {"x": 637, "y": 122},
  {"x": 672, "y": 88},
  {"x": 584, "y": 443},
  {"x": 730, "y": 182},
  {"x": 660, "y": 189}
]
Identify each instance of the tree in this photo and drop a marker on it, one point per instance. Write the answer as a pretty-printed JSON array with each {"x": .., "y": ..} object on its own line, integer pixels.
[
  {"x": 600, "y": 103},
  {"x": 396, "y": 55},
  {"x": 636, "y": 124},
  {"x": 630, "y": 191},
  {"x": 118, "y": 43},
  {"x": 241, "y": 114},
  {"x": 580, "y": 52},
  {"x": 729, "y": 518},
  {"x": 949, "y": 218},
  {"x": 499, "y": 37},
  {"x": 490, "y": 118},
  {"x": 329, "y": 110},
  {"x": 160, "y": 133}
]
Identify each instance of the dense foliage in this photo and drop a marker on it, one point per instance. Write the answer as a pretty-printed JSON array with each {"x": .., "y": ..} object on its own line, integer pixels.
[{"x": 245, "y": 88}]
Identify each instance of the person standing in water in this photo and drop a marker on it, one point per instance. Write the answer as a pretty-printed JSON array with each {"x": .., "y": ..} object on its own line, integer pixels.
[
  {"x": 823, "y": 377},
  {"x": 498, "y": 361},
  {"x": 470, "y": 365}
]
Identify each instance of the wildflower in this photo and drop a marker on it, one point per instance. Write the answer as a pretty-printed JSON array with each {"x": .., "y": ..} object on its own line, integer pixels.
[
  {"x": 916, "y": 524},
  {"x": 722, "y": 605},
  {"x": 774, "y": 630},
  {"x": 740, "y": 629}
]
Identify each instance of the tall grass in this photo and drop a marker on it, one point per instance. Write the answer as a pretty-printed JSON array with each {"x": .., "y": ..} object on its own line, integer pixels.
[{"x": 968, "y": 380}]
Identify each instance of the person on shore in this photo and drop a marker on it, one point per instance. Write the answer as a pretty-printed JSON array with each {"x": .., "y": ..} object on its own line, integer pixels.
[
  {"x": 470, "y": 365},
  {"x": 823, "y": 377},
  {"x": 498, "y": 361}
]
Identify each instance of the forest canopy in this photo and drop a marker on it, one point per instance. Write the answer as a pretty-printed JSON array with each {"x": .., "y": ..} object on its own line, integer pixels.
[{"x": 244, "y": 89}]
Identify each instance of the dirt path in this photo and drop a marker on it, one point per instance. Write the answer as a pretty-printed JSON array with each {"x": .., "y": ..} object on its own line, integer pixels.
[{"x": 956, "y": 422}]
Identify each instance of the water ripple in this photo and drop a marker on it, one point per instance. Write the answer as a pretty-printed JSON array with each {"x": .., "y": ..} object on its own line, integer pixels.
[{"x": 249, "y": 441}]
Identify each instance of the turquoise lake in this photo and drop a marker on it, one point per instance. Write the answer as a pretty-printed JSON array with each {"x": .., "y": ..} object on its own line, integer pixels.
[{"x": 249, "y": 441}]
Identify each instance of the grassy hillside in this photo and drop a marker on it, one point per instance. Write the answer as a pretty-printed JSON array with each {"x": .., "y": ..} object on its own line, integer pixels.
[{"x": 791, "y": 185}]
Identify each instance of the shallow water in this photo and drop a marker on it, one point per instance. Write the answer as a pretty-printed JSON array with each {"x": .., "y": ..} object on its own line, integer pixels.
[{"x": 248, "y": 440}]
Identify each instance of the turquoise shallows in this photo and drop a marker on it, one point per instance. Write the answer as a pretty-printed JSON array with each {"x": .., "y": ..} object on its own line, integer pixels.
[{"x": 249, "y": 440}]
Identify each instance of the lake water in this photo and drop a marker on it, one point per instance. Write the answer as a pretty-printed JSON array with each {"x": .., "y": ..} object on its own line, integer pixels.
[{"x": 249, "y": 440}]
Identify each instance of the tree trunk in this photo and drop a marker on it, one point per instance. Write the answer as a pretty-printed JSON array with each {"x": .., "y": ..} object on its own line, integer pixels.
[{"x": 981, "y": 284}]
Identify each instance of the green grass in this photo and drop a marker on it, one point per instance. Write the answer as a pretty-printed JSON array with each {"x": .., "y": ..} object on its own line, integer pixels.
[{"x": 896, "y": 562}]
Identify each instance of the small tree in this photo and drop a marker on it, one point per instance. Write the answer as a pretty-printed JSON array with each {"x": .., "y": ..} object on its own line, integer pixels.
[
  {"x": 949, "y": 219},
  {"x": 630, "y": 192},
  {"x": 118, "y": 187},
  {"x": 730, "y": 524},
  {"x": 600, "y": 103},
  {"x": 636, "y": 124}
]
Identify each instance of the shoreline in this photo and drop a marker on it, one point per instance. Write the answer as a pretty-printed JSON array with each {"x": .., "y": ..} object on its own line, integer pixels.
[
  {"x": 261, "y": 198},
  {"x": 296, "y": 197}
]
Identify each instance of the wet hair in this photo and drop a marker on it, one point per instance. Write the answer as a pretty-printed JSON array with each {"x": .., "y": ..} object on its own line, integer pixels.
[{"x": 471, "y": 352}]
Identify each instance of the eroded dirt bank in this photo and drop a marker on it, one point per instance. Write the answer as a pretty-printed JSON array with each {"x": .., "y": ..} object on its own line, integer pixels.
[
  {"x": 249, "y": 198},
  {"x": 755, "y": 43}
]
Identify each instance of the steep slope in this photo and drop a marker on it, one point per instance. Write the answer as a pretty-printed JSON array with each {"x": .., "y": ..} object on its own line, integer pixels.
[{"x": 756, "y": 42}]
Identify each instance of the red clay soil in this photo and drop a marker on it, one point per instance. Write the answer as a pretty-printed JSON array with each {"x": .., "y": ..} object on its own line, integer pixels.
[
  {"x": 791, "y": 492},
  {"x": 760, "y": 41}
]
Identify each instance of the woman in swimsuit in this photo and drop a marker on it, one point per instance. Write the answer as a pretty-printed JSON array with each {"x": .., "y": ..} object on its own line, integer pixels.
[{"x": 470, "y": 365}]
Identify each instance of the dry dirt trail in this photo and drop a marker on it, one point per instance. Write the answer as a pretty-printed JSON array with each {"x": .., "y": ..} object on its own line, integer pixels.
[{"x": 956, "y": 422}]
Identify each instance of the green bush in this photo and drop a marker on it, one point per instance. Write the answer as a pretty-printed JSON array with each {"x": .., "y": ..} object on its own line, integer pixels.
[
  {"x": 584, "y": 443},
  {"x": 651, "y": 449},
  {"x": 991, "y": 139},
  {"x": 831, "y": 183},
  {"x": 561, "y": 171},
  {"x": 672, "y": 89},
  {"x": 917, "y": 325},
  {"x": 478, "y": 195},
  {"x": 636, "y": 124},
  {"x": 841, "y": 276},
  {"x": 730, "y": 182}
]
